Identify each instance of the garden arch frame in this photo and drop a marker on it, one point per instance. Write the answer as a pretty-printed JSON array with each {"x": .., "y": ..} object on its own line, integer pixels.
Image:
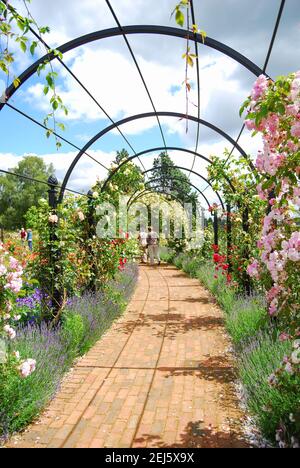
[
  {"x": 161, "y": 148},
  {"x": 142, "y": 116},
  {"x": 129, "y": 30},
  {"x": 193, "y": 172},
  {"x": 177, "y": 178}
]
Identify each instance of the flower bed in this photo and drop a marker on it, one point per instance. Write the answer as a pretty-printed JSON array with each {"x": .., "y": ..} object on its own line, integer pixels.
[
  {"x": 85, "y": 319},
  {"x": 260, "y": 349}
]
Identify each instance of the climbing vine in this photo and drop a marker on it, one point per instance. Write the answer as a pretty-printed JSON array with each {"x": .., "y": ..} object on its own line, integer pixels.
[{"x": 182, "y": 15}]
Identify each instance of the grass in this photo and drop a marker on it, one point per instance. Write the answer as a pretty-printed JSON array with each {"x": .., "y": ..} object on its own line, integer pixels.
[
  {"x": 258, "y": 349},
  {"x": 54, "y": 349}
]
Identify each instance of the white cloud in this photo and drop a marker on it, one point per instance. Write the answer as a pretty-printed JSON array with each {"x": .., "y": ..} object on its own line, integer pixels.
[{"x": 85, "y": 175}]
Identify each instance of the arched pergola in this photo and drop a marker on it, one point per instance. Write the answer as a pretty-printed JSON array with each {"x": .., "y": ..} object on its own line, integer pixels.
[
  {"x": 193, "y": 172},
  {"x": 137, "y": 117},
  {"x": 124, "y": 31},
  {"x": 151, "y": 181},
  {"x": 161, "y": 148},
  {"x": 133, "y": 30}
]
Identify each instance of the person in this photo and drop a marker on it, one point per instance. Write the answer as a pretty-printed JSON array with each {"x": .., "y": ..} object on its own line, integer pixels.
[
  {"x": 153, "y": 247},
  {"x": 23, "y": 235},
  {"x": 29, "y": 239},
  {"x": 143, "y": 245}
]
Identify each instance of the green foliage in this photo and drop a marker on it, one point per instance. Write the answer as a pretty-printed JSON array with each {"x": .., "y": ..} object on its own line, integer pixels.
[
  {"x": 73, "y": 328},
  {"x": 17, "y": 195}
]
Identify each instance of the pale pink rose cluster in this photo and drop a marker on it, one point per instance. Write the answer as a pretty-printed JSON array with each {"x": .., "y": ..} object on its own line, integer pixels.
[
  {"x": 295, "y": 89},
  {"x": 253, "y": 269},
  {"x": 291, "y": 248},
  {"x": 296, "y": 196},
  {"x": 53, "y": 219},
  {"x": 269, "y": 162},
  {"x": 10, "y": 273},
  {"x": 11, "y": 283},
  {"x": 80, "y": 215},
  {"x": 260, "y": 87},
  {"x": 10, "y": 332},
  {"x": 27, "y": 368}
]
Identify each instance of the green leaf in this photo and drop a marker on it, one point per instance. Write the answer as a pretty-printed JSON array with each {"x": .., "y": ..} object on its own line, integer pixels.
[
  {"x": 179, "y": 18},
  {"x": 44, "y": 30},
  {"x": 50, "y": 81},
  {"x": 55, "y": 105},
  {"x": 16, "y": 82},
  {"x": 190, "y": 61},
  {"x": 46, "y": 90},
  {"x": 20, "y": 25},
  {"x": 280, "y": 108},
  {"x": 33, "y": 47},
  {"x": 62, "y": 126},
  {"x": 23, "y": 46}
]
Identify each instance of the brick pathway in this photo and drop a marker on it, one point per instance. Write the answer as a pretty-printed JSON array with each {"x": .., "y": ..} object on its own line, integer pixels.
[{"x": 162, "y": 376}]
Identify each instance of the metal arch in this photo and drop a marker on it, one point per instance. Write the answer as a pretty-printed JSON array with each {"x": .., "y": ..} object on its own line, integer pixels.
[
  {"x": 193, "y": 172},
  {"x": 174, "y": 178},
  {"x": 136, "y": 29},
  {"x": 143, "y": 116},
  {"x": 147, "y": 192},
  {"x": 161, "y": 148},
  {"x": 190, "y": 183}
]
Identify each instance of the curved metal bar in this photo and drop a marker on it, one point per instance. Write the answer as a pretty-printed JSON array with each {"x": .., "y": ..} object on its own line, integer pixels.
[
  {"x": 193, "y": 172},
  {"x": 173, "y": 178},
  {"x": 147, "y": 192},
  {"x": 190, "y": 183},
  {"x": 137, "y": 29},
  {"x": 137, "y": 117},
  {"x": 161, "y": 148}
]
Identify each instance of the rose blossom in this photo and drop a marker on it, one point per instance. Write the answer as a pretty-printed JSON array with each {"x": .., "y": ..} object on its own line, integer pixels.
[
  {"x": 27, "y": 368},
  {"x": 53, "y": 219},
  {"x": 10, "y": 332}
]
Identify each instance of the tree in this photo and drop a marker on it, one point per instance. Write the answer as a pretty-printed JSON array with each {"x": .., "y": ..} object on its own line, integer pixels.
[
  {"x": 17, "y": 195},
  {"x": 171, "y": 180}
]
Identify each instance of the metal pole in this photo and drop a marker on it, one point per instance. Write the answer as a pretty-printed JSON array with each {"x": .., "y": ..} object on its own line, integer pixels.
[
  {"x": 247, "y": 283},
  {"x": 91, "y": 233},
  {"x": 216, "y": 228},
  {"x": 55, "y": 253},
  {"x": 229, "y": 236}
]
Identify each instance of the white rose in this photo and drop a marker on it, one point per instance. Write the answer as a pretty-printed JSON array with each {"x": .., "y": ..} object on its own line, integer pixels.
[{"x": 296, "y": 356}]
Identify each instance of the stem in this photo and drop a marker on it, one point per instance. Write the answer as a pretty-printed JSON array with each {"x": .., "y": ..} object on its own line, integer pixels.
[{"x": 186, "y": 69}]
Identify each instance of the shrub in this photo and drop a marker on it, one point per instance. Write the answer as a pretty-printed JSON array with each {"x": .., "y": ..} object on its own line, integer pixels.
[{"x": 270, "y": 405}]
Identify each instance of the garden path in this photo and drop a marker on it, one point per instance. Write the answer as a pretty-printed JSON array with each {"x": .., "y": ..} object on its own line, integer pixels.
[{"x": 162, "y": 376}]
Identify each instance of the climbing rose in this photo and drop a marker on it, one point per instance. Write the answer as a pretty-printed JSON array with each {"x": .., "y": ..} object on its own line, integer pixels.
[
  {"x": 27, "y": 368},
  {"x": 260, "y": 86},
  {"x": 10, "y": 332},
  {"x": 295, "y": 130},
  {"x": 53, "y": 219},
  {"x": 253, "y": 269}
]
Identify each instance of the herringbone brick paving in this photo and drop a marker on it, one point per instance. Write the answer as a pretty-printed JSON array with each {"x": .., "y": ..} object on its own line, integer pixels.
[{"x": 162, "y": 376}]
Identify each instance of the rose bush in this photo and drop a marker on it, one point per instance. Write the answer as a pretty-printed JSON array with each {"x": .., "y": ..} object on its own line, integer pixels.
[
  {"x": 274, "y": 112},
  {"x": 11, "y": 282}
]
